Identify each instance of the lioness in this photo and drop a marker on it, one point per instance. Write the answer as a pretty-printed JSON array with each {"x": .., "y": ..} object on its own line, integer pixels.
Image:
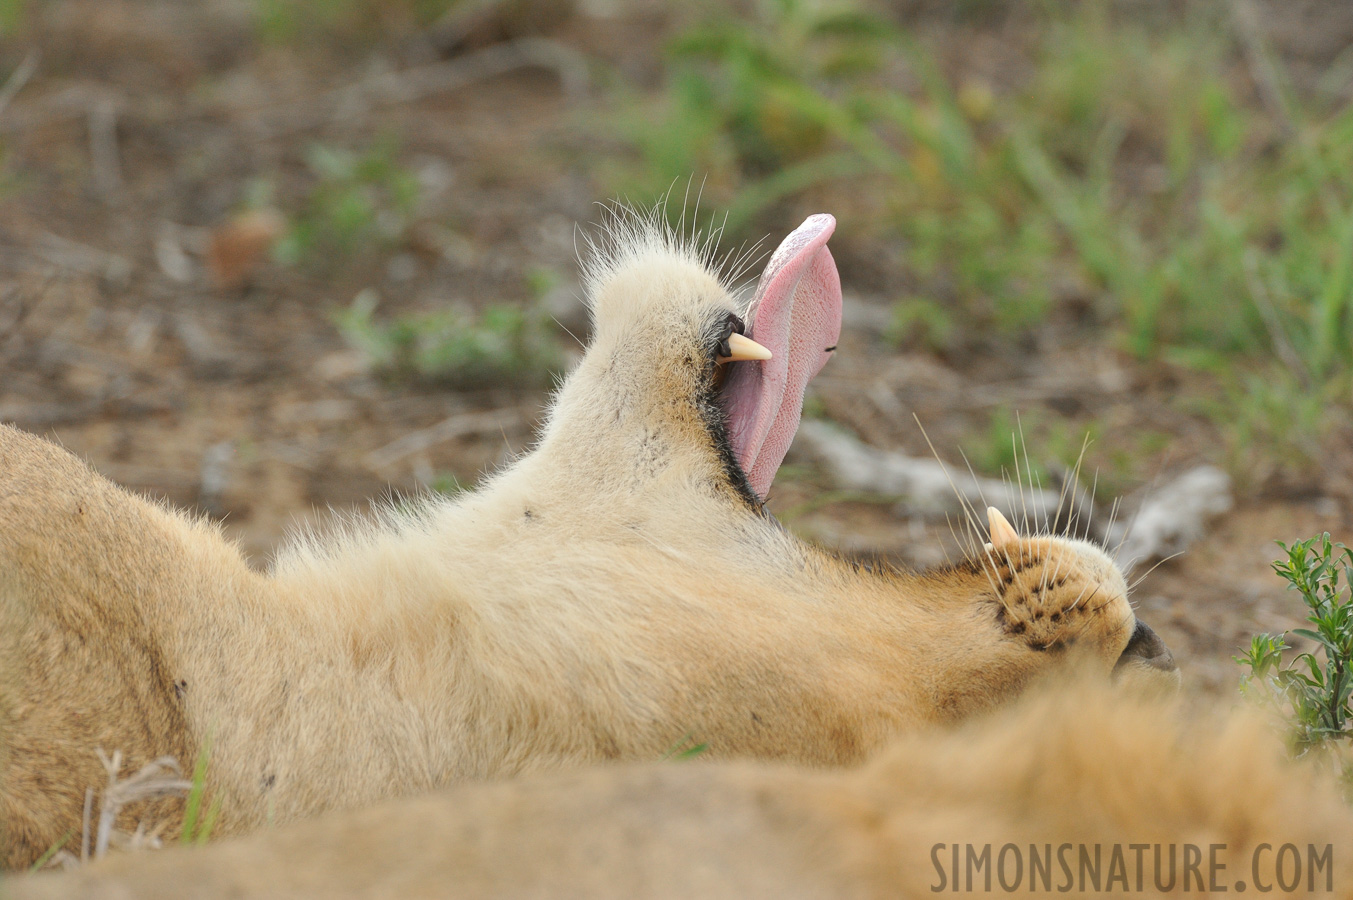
[{"x": 616, "y": 590}]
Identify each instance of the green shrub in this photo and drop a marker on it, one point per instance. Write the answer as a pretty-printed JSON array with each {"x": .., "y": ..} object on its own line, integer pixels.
[{"x": 1314, "y": 687}]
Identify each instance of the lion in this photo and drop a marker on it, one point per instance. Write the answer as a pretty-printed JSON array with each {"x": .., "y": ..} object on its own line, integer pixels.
[
  {"x": 1074, "y": 789},
  {"x": 616, "y": 591}
]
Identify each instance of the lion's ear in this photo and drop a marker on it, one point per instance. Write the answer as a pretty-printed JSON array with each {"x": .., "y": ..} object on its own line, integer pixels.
[{"x": 1002, "y": 532}]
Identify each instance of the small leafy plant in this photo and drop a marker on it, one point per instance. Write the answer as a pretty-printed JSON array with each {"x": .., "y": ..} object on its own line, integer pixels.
[
  {"x": 357, "y": 201},
  {"x": 501, "y": 345},
  {"x": 1315, "y": 686}
]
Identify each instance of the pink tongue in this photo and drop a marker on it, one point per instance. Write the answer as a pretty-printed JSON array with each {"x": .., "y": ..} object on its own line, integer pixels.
[{"x": 797, "y": 316}]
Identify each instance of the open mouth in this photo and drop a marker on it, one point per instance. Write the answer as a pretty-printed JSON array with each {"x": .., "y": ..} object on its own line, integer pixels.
[{"x": 796, "y": 315}]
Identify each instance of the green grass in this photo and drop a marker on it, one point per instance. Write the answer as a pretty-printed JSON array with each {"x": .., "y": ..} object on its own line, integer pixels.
[
  {"x": 349, "y": 23},
  {"x": 13, "y": 13},
  {"x": 801, "y": 99},
  {"x": 922, "y": 321},
  {"x": 1105, "y": 462},
  {"x": 447, "y": 484},
  {"x": 684, "y": 749},
  {"x": 1131, "y": 174},
  {"x": 1000, "y": 448},
  {"x": 51, "y": 851},
  {"x": 198, "y": 823}
]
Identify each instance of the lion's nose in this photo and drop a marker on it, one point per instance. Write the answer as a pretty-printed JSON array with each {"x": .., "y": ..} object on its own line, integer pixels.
[{"x": 1146, "y": 650}]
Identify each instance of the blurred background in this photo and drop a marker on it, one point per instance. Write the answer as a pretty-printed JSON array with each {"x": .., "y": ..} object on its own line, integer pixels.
[{"x": 263, "y": 258}]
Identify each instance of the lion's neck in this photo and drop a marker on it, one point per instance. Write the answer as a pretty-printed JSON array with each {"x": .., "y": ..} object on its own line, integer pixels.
[{"x": 571, "y": 620}]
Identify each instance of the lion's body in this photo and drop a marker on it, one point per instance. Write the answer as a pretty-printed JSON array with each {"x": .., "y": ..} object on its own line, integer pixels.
[
  {"x": 608, "y": 597},
  {"x": 1089, "y": 768}
]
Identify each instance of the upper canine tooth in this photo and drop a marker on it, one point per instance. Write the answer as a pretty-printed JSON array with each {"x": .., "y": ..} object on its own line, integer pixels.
[{"x": 742, "y": 347}]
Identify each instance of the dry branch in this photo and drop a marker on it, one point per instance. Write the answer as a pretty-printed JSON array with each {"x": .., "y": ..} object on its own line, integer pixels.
[
  {"x": 103, "y": 153},
  {"x": 926, "y": 486},
  {"x": 1169, "y": 519},
  {"x": 414, "y": 84},
  {"x": 1172, "y": 517},
  {"x": 411, "y": 85}
]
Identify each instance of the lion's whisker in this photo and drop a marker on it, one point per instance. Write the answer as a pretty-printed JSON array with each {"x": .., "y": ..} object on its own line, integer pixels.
[
  {"x": 1078, "y": 600},
  {"x": 1089, "y": 519},
  {"x": 1142, "y": 577},
  {"x": 963, "y": 501},
  {"x": 1019, "y": 481}
]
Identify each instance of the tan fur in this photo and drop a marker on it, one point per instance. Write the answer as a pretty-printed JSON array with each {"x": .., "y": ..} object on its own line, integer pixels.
[
  {"x": 609, "y": 595},
  {"x": 1087, "y": 767}
]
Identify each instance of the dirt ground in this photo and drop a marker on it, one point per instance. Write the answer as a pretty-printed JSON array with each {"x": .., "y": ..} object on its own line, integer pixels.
[{"x": 140, "y": 132}]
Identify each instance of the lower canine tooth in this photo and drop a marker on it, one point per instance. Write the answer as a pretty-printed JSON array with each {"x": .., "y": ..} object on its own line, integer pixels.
[{"x": 741, "y": 347}]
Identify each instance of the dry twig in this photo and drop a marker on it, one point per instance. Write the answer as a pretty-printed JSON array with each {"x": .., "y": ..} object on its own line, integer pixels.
[
  {"x": 103, "y": 151},
  {"x": 19, "y": 77},
  {"x": 158, "y": 778},
  {"x": 68, "y": 254},
  {"x": 1260, "y": 64},
  {"x": 411, "y": 85},
  {"x": 446, "y": 430}
]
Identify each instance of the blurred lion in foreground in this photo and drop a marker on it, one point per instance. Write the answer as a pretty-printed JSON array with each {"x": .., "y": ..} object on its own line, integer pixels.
[{"x": 1083, "y": 790}]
